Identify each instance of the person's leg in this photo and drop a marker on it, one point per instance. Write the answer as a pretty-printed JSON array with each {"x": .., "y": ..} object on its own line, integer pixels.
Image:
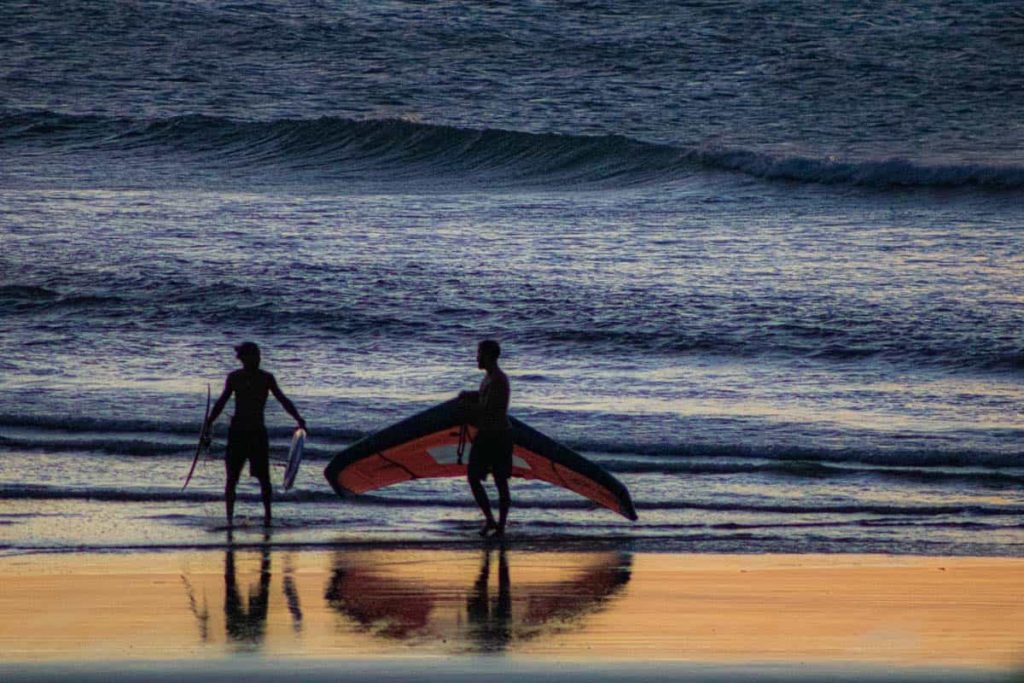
[
  {"x": 232, "y": 471},
  {"x": 230, "y": 483},
  {"x": 504, "y": 501},
  {"x": 260, "y": 468},
  {"x": 234, "y": 463},
  {"x": 502, "y": 471},
  {"x": 476, "y": 473},
  {"x": 477, "y": 486},
  {"x": 266, "y": 491}
]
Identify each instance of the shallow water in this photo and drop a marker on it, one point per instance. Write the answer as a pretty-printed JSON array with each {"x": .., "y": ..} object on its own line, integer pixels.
[{"x": 762, "y": 265}]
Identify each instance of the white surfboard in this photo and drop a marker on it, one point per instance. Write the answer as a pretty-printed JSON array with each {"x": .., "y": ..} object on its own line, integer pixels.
[{"x": 294, "y": 458}]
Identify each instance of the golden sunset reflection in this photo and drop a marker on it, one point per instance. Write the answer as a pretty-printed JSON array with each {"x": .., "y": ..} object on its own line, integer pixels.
[{"x": 357, "y": 603}]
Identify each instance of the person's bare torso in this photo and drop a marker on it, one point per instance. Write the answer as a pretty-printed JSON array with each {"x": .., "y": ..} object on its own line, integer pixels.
[
  {"x": 251, "y": 389},
  {"x": 494, "y": 399}
]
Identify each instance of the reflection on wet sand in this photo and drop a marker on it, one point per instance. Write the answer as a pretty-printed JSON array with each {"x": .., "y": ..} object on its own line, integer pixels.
[
  {"x": 291, "y": 594},
  {"x": 900, "y": 611},
  {"x": 246, "y": 624},
  {"x": 202, "y": 614},
  {"x": 393, "y": 601},
  {"x": 245, "y": 621},
  {"x": 490, "y": 619}
]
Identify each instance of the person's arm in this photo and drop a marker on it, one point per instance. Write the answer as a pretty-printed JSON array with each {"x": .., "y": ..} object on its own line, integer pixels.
[
  {"x": 286, "y": 402},
  {"x": 469, "y": 405},
  {"x": 218, "y": 407}
]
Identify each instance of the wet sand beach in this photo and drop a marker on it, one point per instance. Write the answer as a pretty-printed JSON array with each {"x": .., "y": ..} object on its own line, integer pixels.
[{"x": 413, "y": 614}]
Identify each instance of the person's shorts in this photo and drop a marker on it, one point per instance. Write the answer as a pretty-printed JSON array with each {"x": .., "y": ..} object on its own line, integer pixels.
[
  {"x": 491, "y": 453},
  {"x": 251, "y": 445}
]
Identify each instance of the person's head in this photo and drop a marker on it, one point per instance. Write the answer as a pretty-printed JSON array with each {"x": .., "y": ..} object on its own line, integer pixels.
[
  {"x": 249, "y": 354},
  {"x": 487, "y": 353}
]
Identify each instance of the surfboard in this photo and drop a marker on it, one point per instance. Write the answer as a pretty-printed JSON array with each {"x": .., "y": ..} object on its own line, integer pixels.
[
  {"x": 204, "y": 441},
  {"x": 435, "y": 443},
  {"x": 294, "y": 457}
]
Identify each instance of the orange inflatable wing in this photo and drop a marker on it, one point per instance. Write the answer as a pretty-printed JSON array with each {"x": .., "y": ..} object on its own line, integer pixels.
[{"x": 435, "y": 443}]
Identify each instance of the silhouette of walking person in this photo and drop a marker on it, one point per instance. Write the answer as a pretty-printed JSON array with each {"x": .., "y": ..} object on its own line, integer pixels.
[{"x": 492, "y": 449}]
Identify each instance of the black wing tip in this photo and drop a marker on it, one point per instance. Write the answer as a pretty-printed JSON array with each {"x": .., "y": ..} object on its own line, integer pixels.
[{"x": 331, "y": 476}]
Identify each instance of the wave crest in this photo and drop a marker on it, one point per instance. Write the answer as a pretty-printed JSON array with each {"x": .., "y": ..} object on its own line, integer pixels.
[{"x": 406, "y": 152}]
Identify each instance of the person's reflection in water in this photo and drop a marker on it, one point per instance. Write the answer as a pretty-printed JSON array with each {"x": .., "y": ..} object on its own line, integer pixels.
[
  {"x": 246, "y": 625},
  {"x": 491, "y": 619}
]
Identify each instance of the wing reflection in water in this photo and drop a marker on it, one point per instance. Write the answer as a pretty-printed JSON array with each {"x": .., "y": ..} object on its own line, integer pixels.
[{"x": 421, "y": 603}]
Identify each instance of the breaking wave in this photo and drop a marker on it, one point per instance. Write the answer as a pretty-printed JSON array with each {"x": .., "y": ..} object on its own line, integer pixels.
[{"x": 398, "y": 151}]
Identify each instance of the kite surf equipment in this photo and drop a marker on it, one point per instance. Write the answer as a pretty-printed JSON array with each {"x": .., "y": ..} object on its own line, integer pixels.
[{"x": 431, "y": 444}]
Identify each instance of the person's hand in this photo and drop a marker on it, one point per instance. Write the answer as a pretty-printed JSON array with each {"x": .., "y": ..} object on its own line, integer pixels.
[{"x": 302, "y": 425}]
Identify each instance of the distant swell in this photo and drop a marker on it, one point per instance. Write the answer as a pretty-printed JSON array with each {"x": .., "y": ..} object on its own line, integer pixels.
[
  {"x": 881, "y": 173},
  {"x": 398, "y": 151}
]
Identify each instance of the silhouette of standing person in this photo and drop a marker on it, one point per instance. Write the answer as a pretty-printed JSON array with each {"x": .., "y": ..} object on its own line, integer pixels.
[
  {"x": 492, "y": 449},
  {"x": 247, "y": 435}
]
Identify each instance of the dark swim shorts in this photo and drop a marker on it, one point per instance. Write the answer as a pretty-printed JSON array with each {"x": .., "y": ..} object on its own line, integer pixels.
[
  {"x": 491, "y": 452},
  {"x": 251, "y": 445}
]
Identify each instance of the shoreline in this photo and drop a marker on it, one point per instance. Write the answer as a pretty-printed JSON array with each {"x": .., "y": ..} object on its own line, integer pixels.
[{"x": 254, "y": 538}]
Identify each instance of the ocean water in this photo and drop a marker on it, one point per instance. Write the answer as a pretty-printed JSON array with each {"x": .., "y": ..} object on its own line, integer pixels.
[{"x": 762, "y": 261}]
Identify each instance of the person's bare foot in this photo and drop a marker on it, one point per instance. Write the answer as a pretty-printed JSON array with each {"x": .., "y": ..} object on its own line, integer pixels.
[{"x": 488, "y": 525}]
